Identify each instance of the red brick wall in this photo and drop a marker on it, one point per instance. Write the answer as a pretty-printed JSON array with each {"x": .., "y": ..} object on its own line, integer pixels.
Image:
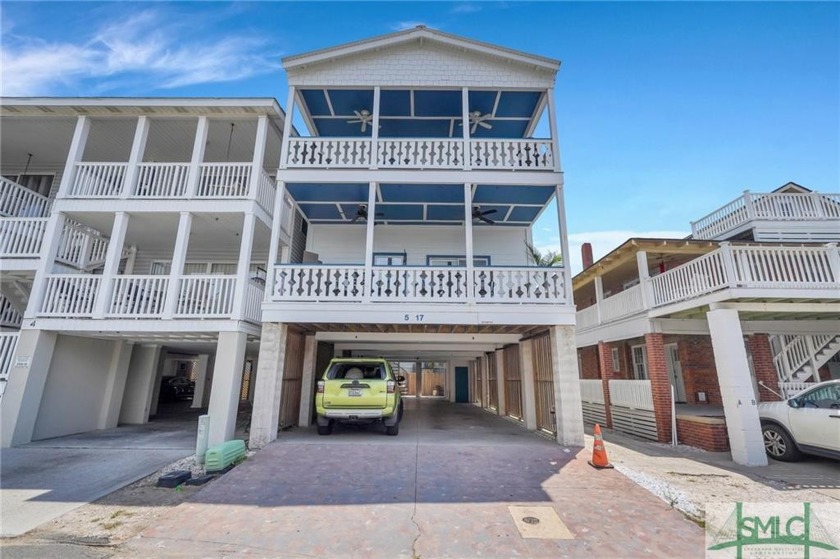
[
  {"x": 708, "y": 436},
  {"x": 589, "y": 362},
  {"x": 758, "y": 346},
  {"x": 660, "y": 385},
  {"x": 697, "y": 360}
]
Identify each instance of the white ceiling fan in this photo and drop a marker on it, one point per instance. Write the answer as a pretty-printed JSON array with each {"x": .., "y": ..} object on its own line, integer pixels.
[
  {"x": 364, "y": 117},
  {"x": 477, "y": 119}
]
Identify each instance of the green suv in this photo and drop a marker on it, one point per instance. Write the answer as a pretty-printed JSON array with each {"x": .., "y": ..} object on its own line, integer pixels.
[{"x": 356, "y": 390}]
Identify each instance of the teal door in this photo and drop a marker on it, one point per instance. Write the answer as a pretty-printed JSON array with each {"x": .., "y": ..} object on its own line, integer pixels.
[{"x": 462, "y": 385}]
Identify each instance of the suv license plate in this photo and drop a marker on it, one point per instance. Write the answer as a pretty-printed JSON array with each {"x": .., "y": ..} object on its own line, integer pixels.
[{"x": 355, "y": 392}]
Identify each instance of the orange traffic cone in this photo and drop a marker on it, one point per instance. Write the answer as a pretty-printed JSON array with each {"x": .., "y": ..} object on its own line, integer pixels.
[{"x": 599, "y": 453}]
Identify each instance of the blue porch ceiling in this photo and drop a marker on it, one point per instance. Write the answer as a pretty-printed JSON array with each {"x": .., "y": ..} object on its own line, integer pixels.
[
  {"x": 420, "y": 203},
  {"x": 420, "y": 113}
]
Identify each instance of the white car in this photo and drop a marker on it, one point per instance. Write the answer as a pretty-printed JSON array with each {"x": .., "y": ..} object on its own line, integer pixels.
[{"x": 808, "y": 423}]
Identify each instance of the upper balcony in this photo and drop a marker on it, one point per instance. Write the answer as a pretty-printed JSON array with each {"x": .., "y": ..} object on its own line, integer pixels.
[{"x": 774, "y": 216}]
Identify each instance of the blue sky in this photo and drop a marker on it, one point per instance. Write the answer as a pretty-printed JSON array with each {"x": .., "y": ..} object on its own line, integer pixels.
[{"x": 666, "y": 110}]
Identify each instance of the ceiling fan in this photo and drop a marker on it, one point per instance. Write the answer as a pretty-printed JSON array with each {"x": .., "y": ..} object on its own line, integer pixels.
[
  {"x": 364, "y": 116},
  {"x": 362, "y": 213},
  {"x": 478, "y": 214},
  {"x": 477, "y": 119}
]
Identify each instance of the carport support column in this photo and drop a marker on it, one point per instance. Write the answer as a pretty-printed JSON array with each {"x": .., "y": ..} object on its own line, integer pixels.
[
  {"x": 25, "y": 386},
  {"x": 499, "y": 356},
  {"x": 606, "y": 369},
  {"x": 529, "y": 394},
  {"x": 265, "y": 418},
  {"x": 567, "y": 403},
  {"x": 140, "y": 384},
  {"x": 736, "y": 389},
  {"x": 200, "y": 381},
  {"x": 660, "y": 385},
  {"x": 307, "y": 381},
  {"x": 109, "y": 414},
  {"x": 227, "y": 379}
]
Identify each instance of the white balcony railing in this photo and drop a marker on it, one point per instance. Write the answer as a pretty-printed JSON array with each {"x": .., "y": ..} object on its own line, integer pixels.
[
  {"x": 21, "y": 237},
  {"x": 776, "y": 206},
  {"x": 635, "y": 394},
  {"x": 587, "y": 318},
  {"x": 98, "y": 180},
  {"x": 224, "y": 180},
  {"x": 312, "y": 282},
  {"x": 19, "y": 201},
  {"x": 206, "y": 296},
  {"x": 253, "y": 302},
  {"x": 161, "y": 180},
  {"x": 8, "y": 344},
  {"x": 10, "y": 317},
  {"x": 420, "y": 153},
  {"x": 82, "y": 247},
  {"x": 138, "y": 296},
  {"x": 624, "y": 303},
  {"x": 756, "y": 267},
  {"x": 70, "y": 295}
]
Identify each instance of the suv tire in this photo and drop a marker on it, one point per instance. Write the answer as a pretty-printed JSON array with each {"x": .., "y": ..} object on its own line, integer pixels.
[
  {"x": 778, "y": 444},
  {"x": 392, "y": 430},
  {"x": 325, "y": 429}
]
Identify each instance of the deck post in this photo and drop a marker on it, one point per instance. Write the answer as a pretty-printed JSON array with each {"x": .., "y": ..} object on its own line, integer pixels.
[
  {"x": 112, "y": 264},
  {"x": 227, "y": 380},
  {"x": 49, "y": 250},
  {"x": 287, "y": 128},
  {"x": 468, "y": 251},
  {"x": 465, "y": 132},
  {"x": 529, "y": 397},
  {"x": 501, "y": 407},
  {"x": 243, "y": 266},
  {"x": 369, "y": 223},
  {"x": 259, "y": 157},
  {"x": 567, "y": 401},
  {"x": 307, "y": 382},
  {"x": 265, "y": 418},
  {"x": 374, "y": 132},
  {"x": 138, "y": 147},
  {"x": 194, "y": 173},
  {"x": 179, "y": 257},
  {"x": 77, "y": 149}
]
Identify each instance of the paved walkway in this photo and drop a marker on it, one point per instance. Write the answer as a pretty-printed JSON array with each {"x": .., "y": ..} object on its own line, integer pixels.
[
  {"x": 443, "y": 488},
  {"x": 45, "y": 479}
]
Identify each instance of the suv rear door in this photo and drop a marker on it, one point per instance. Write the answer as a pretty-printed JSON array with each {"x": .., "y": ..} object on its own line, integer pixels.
[{"x": 356, "y": 384}]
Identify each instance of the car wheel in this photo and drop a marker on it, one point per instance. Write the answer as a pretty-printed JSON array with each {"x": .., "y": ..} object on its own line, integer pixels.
[
  {"x": 392, "y": 430},
  {"x": 325, "y": 429},
  {"x": 779, "y": 445}
]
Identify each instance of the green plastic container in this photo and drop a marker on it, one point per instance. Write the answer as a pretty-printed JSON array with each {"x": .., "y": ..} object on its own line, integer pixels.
[{"x": 221, "y": 456}]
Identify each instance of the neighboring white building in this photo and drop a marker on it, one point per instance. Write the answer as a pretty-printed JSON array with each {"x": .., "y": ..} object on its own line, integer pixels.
[
  {"x": 744, "y": 310},
  {"x": 142, "y": 233}
]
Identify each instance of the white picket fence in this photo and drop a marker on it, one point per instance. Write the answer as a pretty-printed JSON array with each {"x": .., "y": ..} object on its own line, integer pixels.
[
  {"x": 592, "y": 401},
  {"x": 631, "y": 407}
]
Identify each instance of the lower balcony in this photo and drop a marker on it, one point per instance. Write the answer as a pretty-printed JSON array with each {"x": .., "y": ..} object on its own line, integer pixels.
[
  {"x": 150, "y": 297},
  {"x": 420, "y": 284}
]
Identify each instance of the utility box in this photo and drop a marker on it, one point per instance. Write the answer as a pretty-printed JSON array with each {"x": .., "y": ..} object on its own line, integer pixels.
[{"x": 201, "y": 438}]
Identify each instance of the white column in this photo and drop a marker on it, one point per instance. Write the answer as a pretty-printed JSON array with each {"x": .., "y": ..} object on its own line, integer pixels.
[
  {"x": 736, "y": 388},
  {"x": 465, "y": 119},
  {"x": 468, "y": 252},
  {"x": 374, "y": 133},
  {"x": 200, "y": 381},
  {"x": 227, "y": 380},
  {"x": 158, "y": 377},
  {"x": 307, "y": 381},
  {"x": 552, "y": 123},
  {"x": 274, "y": 244},
  {"x": 259, "y": 155},
  {"x": 138, "y": 147},
  {"x": 567, "y": 403},
  {"x": 564, "y": 242},
  {"x": 371, "y": 220},
  {"x": 499, "y": 356},
  {"x": 49, "y": 250},
  {"x": 112, "y": 264},
  {"x": 140, "y": 384},
  {"x": 485, "y": 385},
  {"x": 644, "y": 279},
  {"x": 599, "y": 296},
  {"x": 25, "y": 386},
  {"x": 265, "y": 417},
  {"x": 287, "y": 127},
  {"x": 243, "y": 271},
  {"x": 197, "y": 158},
  {"x": 529, "y": 393},
  {"x": 77, "y": 149},
  {"x": 179, "y": 256},
  {"x": 115, "y": 385}
]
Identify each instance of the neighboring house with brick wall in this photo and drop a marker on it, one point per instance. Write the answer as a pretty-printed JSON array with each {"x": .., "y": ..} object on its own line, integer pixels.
[{"x": 662, "y": 315}]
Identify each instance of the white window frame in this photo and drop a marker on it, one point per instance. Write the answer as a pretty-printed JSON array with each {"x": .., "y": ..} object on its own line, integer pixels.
[
  {"x": 616, "y": 360},
  {"x": 640, "y": 367},
  {"x": 166, "y": 265},
  {"x": 456, "y": 261}
]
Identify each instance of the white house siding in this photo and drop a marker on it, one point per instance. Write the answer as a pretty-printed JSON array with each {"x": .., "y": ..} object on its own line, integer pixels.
[
  {"x": 426, "y": 64},
  {"x": 345, "y": 244},
  {"x": 75, "y": 389}
]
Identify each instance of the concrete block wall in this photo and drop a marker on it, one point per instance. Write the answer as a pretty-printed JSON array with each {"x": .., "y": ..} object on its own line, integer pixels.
[{"x": 427, "y": 64}]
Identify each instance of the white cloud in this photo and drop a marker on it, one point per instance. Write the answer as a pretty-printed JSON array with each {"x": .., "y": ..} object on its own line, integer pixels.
[
  {"x": 145, "y": 48},
  {"x": 466, "y": 8},
  {"x": 605, "y": 241},
  {"x": 403, "y": 25}
]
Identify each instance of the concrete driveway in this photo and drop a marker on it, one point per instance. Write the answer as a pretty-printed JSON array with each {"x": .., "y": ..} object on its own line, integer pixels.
[
  {"x": 456, "y": 482},
  {"x": 45, "y": 479}
]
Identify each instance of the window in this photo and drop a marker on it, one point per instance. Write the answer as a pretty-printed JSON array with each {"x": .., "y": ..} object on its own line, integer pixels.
[
  {"x": 616, "y": 362},
  {"x": 164, "y": 267},
  {"x": 357, "y": 370},
  {"x": 640, "y": 362},
  {"x": 826, "y": 397},
  {"x": 456, "y": 261},
  {"x": 389, "y": 259}
]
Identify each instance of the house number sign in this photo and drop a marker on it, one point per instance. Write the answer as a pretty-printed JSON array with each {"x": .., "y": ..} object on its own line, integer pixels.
[{"x": 413, "y": 317}]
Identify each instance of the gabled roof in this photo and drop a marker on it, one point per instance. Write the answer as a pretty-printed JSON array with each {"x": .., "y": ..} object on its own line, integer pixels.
[
  {"x": 420, "y": 33},
  {"x": 792, "y": 187}
]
